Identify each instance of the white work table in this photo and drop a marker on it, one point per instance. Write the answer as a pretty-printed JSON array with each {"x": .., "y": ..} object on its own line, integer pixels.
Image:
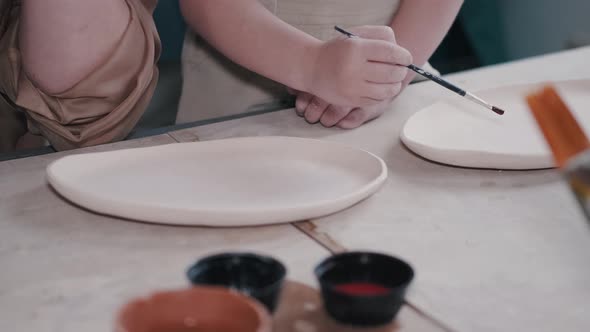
[
  {"x": 65, "y": 269},
  {"x": 493, "y": 250}
]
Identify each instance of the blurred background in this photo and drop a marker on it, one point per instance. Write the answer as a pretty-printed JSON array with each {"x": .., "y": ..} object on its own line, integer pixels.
[
  {"x": 490, "y": 32},
  {"x": 487, "y": 32}
]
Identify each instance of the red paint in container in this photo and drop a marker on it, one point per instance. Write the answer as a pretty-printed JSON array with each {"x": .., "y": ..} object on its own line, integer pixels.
[{"x": 361, "y": 289}]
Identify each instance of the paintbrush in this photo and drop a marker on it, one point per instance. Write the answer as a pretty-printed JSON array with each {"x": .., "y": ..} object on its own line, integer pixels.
[
  {"x": 439, "y": 80},
  {"x": 569, "y": 144}
]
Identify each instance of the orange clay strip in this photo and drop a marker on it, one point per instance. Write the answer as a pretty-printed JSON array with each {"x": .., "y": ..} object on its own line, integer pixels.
[{"x": 561, "y": 130}]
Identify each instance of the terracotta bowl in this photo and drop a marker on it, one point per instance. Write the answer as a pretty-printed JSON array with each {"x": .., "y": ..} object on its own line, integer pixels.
[{"x": 198, "y": 309}]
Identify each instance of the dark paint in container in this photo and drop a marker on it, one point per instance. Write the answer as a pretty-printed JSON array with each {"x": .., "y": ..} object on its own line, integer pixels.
[{"x": 260, "y": 277}]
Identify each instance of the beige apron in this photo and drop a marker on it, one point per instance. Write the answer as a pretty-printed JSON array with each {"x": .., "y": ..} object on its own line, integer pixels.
[{"x": 214, "y": 86}]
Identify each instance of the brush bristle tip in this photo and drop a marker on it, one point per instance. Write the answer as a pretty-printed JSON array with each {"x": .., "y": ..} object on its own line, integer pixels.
[{"x": 498, "y": 110}]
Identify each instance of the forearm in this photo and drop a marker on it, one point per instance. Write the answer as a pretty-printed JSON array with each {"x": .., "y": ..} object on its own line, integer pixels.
[
  {"x": 62, "y": 41},
  {"x": 253, "y": 37},
  {"x": 420, "y": 26}
]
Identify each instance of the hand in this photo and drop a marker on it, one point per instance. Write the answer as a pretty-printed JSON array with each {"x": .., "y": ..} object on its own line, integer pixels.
[
  {"x": 315, "y": 109},
  {"x": 360, "y": 72}
]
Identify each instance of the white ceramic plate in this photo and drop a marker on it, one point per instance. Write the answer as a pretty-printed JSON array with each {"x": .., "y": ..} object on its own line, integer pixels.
[
  {"x": 231, "y": 182},
  {"x": 458, "y": 132}
]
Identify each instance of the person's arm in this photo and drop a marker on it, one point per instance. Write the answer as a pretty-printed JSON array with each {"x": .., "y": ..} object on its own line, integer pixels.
[
  {"x": 420, "y": 26},
  {"x": 344, "y": 71},
  {"x": 62, "y": 41}
]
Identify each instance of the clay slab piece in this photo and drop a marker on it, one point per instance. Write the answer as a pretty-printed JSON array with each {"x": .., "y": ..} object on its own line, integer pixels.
[
  {"x": 232, "y": 182},
  {"x": 458, "y": 132}
]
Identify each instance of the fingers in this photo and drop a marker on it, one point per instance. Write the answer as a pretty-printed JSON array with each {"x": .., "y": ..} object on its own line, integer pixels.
[
  {"x": 303, "y": 99},
  {"x": 377, "y": 72},
  {"x": 356, "y": 72},
  {"x": 357, "y": 117},
  {"x": 379, "y": 32},
  {"x": 333, "y": 115},
  {"x": 386, "y": 52},
  {"x": 315, "y": 109},
  {"x": 381, "y": 92}
]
